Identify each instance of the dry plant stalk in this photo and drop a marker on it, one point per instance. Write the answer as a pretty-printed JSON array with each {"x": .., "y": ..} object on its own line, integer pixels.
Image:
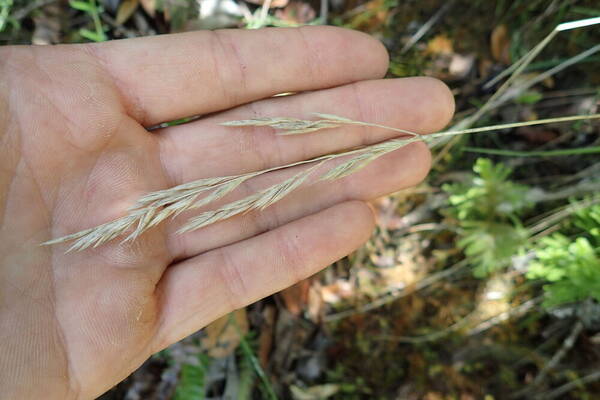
[{"x": 155, "y": 207}]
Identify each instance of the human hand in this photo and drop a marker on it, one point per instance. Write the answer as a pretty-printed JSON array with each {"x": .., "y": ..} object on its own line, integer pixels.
[{"x": 75, "y": 154}]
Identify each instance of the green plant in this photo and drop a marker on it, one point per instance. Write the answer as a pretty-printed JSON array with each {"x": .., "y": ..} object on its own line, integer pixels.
[
  {"x": 5, "y": 7},
  {"x": 93, "y": 10},
  {"x": 571, "y": 267},
  {"x": 488, "y": 209},
  {"x": 250, "y": 366},
  {"x": 191, "y": 385}
]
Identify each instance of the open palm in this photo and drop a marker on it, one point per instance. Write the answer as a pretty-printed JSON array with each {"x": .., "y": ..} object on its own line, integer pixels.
[{"x": 76, "y": 153}]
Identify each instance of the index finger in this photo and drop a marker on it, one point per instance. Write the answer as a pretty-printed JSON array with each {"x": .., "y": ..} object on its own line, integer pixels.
[{"x": 174, "y": 76}]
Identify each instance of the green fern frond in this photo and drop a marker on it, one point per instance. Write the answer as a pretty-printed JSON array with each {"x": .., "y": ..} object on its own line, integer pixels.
[
  {"x": 571, "y": 268},
  {"x": 488, "y": 208},
  {"x": 490, "y": 245},
  {"x": 489, "y": 195}
]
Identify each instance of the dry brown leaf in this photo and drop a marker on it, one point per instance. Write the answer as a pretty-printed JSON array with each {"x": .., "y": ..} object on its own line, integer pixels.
[
  {"x": 440, "y": 44},
  {"x": 485, "y": 67},
  {"x": 315, "y": 302},
  {"x": 500, "y": 44},
  {"x": 295, "y": 297},
  {"x": 149, "y": 6},
  {"x": 537, "y": 135},
  {"x": 223, "y": 336},
  {"x": 126, "y": 10},
  {"x": 265, "y": 339}
]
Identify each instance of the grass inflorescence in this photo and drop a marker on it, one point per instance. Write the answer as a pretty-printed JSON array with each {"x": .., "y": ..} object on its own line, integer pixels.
[{"x": 155, "y": 207}]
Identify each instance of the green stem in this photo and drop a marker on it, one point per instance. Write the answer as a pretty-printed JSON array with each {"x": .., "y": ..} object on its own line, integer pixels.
[
  {"x": 247, "y": 350},
  {"x": 549, "y": 153},
  {"x": 97, "y": 21},
  {"x": 514, "y": 125}
]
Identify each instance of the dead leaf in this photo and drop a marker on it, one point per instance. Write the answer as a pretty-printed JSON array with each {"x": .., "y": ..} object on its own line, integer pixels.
[
  {"x": 315, "y": 302},
  {"x": 440, "y": 45},
  {"x": 500, "y": 44},
  {"x": 537, "y": 135},
  {"x": 295, "y": 297},
  {"x": 149, "y": 6},
  {"x": 126, "y": 10},
  {"x": 224, "y": 335},
  {"x": 485, "y": 67},
  {"x": 265, "y": 339},
  {"x": 337, "y": 291}
]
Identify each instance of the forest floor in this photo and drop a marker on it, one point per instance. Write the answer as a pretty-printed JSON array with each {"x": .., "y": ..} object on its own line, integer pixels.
[{"x": 417, "y": 313}]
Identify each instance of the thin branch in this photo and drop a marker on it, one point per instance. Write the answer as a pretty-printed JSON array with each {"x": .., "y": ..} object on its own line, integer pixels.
[
  {"x": 568, "y": 343},
  {"x": 566, "y": 388},
  {"x": 513, "y": 312},
  {"x": 427, "y": 26},
  {"x": 398, "y": 294},
  {"x": 25, "y": 11}
]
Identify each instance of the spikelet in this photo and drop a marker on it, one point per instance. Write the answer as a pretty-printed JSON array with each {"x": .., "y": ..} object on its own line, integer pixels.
[{"x": 154, "y": 208}]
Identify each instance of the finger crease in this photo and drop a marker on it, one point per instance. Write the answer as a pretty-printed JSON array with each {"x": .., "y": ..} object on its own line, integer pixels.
[{"x": 232, "y": 280}]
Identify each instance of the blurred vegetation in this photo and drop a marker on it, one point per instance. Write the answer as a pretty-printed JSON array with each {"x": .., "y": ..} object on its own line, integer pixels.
[{"x": 487, "y": 209}]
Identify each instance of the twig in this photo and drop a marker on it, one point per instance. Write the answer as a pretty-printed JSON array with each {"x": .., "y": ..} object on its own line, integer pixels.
[
  {"x": 511, "y": 94},
  {"x": 558, "y": 216},
  {"x": 534, "y": 153},
  {"x": 398, "y": 294},
  {"x": 120, "y": 29},
  {"x": 556, "y": 358},
  {"x": 517, "y": 69},
  {"x": 526, "y": 59},
  {"x": 26, "y": 10},
  {"x": 516, "y": 311},
  {"x": 569, "y": 191},
  {"x": 427, "y": 26},
  {"x": 566, "y": 388},
  {"x": 513, "y": 312}
]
